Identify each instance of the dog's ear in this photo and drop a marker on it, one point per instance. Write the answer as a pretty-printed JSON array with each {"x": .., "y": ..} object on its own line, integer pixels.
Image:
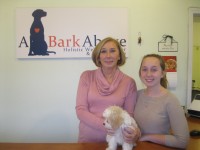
[{"x": 116, "y": 120}]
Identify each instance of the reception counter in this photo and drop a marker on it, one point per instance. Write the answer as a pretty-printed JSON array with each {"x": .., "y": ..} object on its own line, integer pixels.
[{"x": 194, "y": 143}]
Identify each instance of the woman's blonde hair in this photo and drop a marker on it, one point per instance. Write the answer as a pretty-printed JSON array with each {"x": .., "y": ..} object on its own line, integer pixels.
[
  {"x": 97, "y": 50},
  {"x": 163, "y": 80}
]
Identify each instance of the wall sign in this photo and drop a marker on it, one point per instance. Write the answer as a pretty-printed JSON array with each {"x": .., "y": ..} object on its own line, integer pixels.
[
  {"x": 168, "y": 44},
  {"x": 67, "y": 32}
]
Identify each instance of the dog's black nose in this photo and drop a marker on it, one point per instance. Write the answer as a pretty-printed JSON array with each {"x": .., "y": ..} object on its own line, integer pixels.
[{"x": 104, "y": 124}]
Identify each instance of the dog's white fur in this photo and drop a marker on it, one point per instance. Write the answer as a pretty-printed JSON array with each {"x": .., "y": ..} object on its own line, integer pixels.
[{"x": 117, "y": 119}]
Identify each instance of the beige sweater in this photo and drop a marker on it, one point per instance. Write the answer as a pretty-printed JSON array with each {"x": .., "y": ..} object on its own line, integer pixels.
[{"x": 161, "y": 115}]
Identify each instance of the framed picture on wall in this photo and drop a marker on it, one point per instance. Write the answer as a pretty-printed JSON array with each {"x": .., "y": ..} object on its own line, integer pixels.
[
  {"x": 170, "y": 63},
  {"x": 168, "y": 44},
  {"x": 171, "y": 70}
]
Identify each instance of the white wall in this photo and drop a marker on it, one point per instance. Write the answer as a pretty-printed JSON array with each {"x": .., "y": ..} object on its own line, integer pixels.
[{"x": 37, "y": 97}]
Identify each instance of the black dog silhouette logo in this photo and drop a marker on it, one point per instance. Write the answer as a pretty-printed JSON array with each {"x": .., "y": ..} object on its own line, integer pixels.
[{"x": 38, "y": 45}]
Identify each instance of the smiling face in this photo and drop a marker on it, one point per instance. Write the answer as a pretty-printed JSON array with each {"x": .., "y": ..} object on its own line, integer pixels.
[
  {"x": 109, "y": 55},
  {"x": 151, "y": 72}
]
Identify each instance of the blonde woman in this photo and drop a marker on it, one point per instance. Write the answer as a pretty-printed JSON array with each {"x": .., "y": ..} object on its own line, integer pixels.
[{"x": 103, "y": 87}]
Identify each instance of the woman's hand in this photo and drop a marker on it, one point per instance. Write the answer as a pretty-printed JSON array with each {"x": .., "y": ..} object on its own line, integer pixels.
[
  {"x": 110, "y": 132},
  {"x": 131, "y": 134}
]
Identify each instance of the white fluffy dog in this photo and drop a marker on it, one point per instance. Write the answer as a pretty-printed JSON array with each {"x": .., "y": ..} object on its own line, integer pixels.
[{"x": 117, "y": 119}]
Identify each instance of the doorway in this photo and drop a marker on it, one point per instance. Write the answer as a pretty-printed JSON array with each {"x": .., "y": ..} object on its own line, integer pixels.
[{"x": 193, "y": 52}]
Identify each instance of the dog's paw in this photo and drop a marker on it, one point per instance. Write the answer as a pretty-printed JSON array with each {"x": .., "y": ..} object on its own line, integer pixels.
[
  {"x": 127, "y": 146},
  {"x": 110, "y": 148}
]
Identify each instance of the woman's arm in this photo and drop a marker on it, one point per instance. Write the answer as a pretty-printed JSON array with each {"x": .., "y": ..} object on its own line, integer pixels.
[
  {"x": 180, "y": 134},
  {"x": 131, "y": 134},
  {"x": 155, "y": 138},
  {"x": 131, "y": 96},
  {"x": 179, "y": 126},
  {"x": 82, "y": 106}
]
